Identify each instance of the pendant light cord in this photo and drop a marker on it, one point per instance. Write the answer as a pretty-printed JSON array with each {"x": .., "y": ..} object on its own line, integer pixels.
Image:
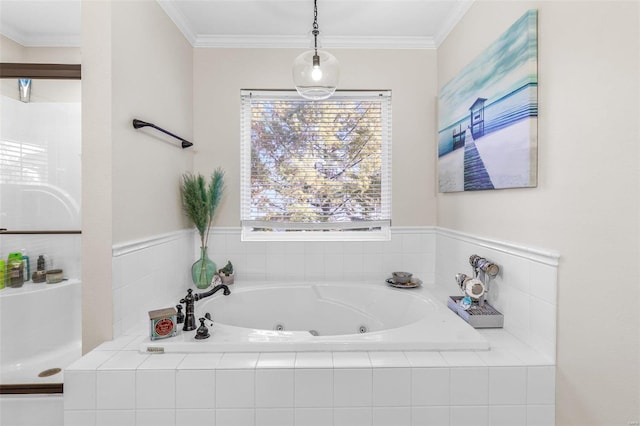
[{"x": 315, "y": 31}]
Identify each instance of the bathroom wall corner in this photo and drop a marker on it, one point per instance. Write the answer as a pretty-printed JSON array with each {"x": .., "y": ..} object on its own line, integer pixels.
[{"x": 96, "y": 174}]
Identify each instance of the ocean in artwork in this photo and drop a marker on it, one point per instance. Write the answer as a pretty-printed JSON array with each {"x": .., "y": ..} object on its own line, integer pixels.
[{"x": 487, "y": 125}]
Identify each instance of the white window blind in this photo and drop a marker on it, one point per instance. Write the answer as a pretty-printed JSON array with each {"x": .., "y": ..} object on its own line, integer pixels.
[{"x": 315, "y": 170}]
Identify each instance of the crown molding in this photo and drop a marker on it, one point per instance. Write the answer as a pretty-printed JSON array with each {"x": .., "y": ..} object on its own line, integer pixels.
[
  {"x": 248, "y": 42},
  {"x": 174, "y": 13},
  {"x": 179, "y": 20},
  {"x": 342, "y": 42},
  {"x": 40, "y": 40},
  {"x": 379, "y": 42},
  {"x": 303, "y": 43},
  {"x": 450, "y": 23}
]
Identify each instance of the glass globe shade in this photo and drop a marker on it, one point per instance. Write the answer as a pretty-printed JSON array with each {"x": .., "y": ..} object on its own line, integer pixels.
[{"x": 317, "y": 82}]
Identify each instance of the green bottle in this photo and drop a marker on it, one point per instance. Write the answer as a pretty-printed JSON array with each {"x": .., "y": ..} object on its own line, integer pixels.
[{"x": 3, "y": 270}]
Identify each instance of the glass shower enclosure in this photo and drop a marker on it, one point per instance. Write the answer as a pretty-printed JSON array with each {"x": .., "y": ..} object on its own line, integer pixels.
[{"x": 40, "y": 223}]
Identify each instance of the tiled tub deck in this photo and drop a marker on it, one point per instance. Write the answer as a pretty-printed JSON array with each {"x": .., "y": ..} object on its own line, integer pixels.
[{"x": 116, "y": 384}]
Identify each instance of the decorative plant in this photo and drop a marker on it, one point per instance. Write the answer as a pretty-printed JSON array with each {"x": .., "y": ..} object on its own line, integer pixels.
[
  {"x": 226, "y": 273},
  {"x": 200, "y": 200},
  {"x": 227, "y": 270}
]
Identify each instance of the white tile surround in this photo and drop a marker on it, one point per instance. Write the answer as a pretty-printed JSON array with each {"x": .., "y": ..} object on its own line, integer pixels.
[
  {"x": 148, "y": 274},
  {"x": 512, "y": 384},
  {"x": 524, "y": 291},
  {"x": 117, "y": 385},
  {"x": 410, "y": 249}
]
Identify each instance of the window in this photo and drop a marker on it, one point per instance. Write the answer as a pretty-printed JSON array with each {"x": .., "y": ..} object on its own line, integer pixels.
[{"x": 316, "y": 170}]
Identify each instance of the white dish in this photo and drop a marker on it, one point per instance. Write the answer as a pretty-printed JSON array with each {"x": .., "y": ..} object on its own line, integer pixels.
[{"x": 413, "y": 283}]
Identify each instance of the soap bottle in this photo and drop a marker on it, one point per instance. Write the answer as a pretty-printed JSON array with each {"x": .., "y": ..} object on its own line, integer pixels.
[
  {"x": 15, "y": 270},
  {"x": 39, "y": 276},
  {"x": 2, "y": 273},
  {"x": 41, "y": 263},
  {"x": 27, "y": 265}
]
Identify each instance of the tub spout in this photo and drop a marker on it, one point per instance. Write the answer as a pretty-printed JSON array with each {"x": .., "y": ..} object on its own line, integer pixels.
[
  {"x": 190, "y": 300},
  {"x": 213, "y": 291}
]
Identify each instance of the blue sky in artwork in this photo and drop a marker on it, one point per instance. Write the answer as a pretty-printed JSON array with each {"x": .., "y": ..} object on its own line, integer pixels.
[{"x": 507, "y": 64}]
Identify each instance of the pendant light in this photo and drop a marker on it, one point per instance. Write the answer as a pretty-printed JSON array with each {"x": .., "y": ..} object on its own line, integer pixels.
[{"x": 315, "y": 74}]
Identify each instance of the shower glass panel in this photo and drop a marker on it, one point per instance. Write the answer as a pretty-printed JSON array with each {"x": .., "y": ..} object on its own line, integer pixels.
[
  {"x": 40, "y": 158},
  {"x": 40, "y": 217}
]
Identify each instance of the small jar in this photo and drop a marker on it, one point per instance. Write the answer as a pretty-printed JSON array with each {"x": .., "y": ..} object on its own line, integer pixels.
[{"x": 54, "y": 276}]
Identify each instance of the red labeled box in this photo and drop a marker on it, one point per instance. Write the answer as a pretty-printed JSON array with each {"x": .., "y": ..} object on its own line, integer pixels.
[{"x": 162, "y": 323}]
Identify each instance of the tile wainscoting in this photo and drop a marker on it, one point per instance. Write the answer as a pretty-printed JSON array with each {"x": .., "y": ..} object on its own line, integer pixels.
[
  {"x": 525, "y": 290},
  {"x": 149, "y": 274},
  {"x": 410, "y": 249}
]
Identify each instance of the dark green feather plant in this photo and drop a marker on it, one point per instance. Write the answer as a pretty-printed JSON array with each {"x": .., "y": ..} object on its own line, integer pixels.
[{"x": 200, "y": 200}]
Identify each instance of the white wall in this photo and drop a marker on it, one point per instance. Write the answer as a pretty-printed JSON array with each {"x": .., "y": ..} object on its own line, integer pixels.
[
  {"x": 152, "y": 81},
  {"x": 136, "y": 64},
  {"x": 10, "y": 51},
  {"x": 586, "y": 202},
  {"x": 410, "y": 74}
]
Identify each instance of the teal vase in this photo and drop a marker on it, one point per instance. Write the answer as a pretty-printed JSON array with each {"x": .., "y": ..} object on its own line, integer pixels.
[{"x": 203, "y": 270}]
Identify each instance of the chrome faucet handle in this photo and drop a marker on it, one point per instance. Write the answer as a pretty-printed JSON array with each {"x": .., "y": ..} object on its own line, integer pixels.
[
  {"x": 481, "y": 264},
  {"x": 460, "y": 279},
  {"x": 470, "y": 286}
]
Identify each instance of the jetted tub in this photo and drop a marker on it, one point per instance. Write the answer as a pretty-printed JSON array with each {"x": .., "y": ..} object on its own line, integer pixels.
[{"x": 267, "y": 317}]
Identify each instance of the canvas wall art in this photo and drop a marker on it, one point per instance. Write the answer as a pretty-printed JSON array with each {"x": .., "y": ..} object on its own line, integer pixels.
[{"x": 488, "y": 115}]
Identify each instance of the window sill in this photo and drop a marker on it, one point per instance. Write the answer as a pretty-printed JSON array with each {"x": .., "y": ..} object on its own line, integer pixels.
[{"x": 382, "y": 235}]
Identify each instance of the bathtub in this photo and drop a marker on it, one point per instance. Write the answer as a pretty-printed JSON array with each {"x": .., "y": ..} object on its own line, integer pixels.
[
  {"x": 40, "y": 331},
  {"x": 290, "y": 317}
]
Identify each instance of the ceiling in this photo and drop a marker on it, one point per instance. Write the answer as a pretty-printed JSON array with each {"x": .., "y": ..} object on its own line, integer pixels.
[
  {"x": 41, "y": 23},
  {"x": 257, "y": 23}
]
